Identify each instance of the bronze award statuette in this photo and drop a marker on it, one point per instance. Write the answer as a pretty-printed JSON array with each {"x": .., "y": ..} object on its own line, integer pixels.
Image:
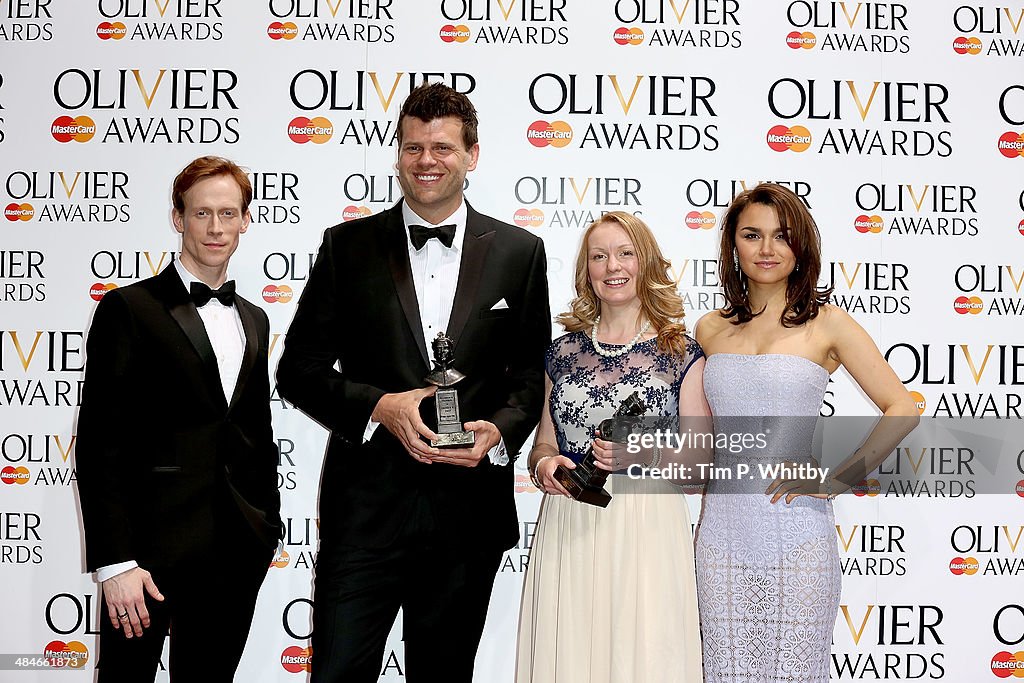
[
  {"x": 586, "y": 482},
  {"x": 449, "y": 426}
]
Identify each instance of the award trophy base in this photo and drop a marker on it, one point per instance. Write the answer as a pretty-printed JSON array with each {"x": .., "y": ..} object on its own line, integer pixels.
[
  {"x": 579, "y": 489},
  {"x": 458, "y": 439}
]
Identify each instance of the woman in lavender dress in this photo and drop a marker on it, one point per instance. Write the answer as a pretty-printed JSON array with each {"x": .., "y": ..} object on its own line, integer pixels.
[
  {"x": 610, "y": 595},
  {"x": 768, "y": 577}
]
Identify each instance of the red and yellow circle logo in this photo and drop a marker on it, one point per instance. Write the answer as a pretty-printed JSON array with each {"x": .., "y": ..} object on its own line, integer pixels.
[
  {"x": 959, "y": 566},
  {"x": 555, "y": 133},
  {"x": 98, "y": 290},
  {"x": 282, "y": 31},
  {"x": 966, "y": 46},
  {"x": 1005, "y": 664},
  {"x": 528, "y": 218},
  {"x": 281, "y": 561},
  {"x": 865, "y": 224},
  {"x": 19, "y": 212},
  {"x": 919, "y": 401},
  {"x": 15, "y": 475},
  {"x": 1011, "y": 145},
  {"x": 296, "y": 659},
  {"x": 71, "y": 654},
  {"x": 805, "y": 40},
  {"x": 782, "y": 138},
  {"x": 867, "y": 487},
  {"x": 281, "y": 294},
  {"x": 968, "y": 304},
  {"x": 351, "y": 212},
  {"x": 451, "y": 33},
  {"x": 628, "y": 36},
  {"x": 79, "y": 129},
  {"x": 700, "y": 220},
  {"x": 111, "y": 31},
  {"x": 317, "y": 130}
]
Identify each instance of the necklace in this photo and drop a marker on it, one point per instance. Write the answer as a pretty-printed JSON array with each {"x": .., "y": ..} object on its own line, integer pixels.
[{"x": 625, "y": 349}]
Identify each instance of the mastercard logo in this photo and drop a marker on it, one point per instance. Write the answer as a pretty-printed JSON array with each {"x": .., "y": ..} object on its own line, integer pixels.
[
  {"x": 966, "y": 46},
  {"x": 287, "y": 30},
  {"x": 79, "y": 129},
  {"x": 528, "y": 218},
  {"x": 317, "y": 130},
  {"x": 19, "y": 212},
  {"x": 281, "y": 561},
  {"x": 1011, "y": 145},
  {"x": 963, "y": 565},
  {"x": 350, "y": 213},
  {"x": 281, "y": 294},
  {"x": 781, "y": 138},
  {"x": 805, "y": 40},
  {"x": 72, "y": 654},
  {"x": 99, "y": 289},
  {"x": 968, "y": 304},
  {"x": 296, "y": 659},
  {"x": 1019, "y": 488},
  {"x": 107, "y": 31},
  {"x": 15, "y": 475},
  {"x": 866, "y": 224},
  {"x": 1005, "y": 664},
  {"x": 919, "y": 401},
  {"x": 867, "y": 487},
  {"x": 524, "y": 485},
  {"x": 700, "y": 220},
  {"x": 454, "y": 34},
  {"x": 628, "y": 36},
  {"x": 542, "y": 134}
]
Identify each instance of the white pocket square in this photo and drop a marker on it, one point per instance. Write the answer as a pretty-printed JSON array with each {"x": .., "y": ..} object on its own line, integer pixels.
[{"x": 501, "y": 305}]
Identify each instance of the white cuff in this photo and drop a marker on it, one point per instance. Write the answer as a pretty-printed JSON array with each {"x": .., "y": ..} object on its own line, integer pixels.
[
  {"x": 498, "y": 455},
  {"x": 371, "y": 427},
  {"x": 112, "y": 570}
]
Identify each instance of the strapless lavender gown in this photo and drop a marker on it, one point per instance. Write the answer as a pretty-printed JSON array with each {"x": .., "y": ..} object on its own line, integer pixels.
[{"x": 768, "y": 576}]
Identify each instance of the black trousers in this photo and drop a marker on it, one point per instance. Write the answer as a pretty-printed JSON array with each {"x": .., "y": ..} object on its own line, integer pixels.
[
  {"x": 443, "y": 594},
  {"x": 208, "y": 607}
]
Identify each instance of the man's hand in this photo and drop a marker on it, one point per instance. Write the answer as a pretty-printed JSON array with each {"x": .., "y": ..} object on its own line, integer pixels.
[
  {"x": 400, "y": 415},
  {"x": 126, "y": 604},
  {"x": 487, "y": 437}
]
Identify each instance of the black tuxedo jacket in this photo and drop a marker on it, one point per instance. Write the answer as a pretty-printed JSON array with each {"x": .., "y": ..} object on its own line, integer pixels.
[
  {"x": 357, "y": 335},
  {"x": 161, "y": 454}
]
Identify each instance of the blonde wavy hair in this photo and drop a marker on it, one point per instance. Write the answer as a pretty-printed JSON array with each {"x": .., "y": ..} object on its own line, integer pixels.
[{"x": 659, "y": 301}]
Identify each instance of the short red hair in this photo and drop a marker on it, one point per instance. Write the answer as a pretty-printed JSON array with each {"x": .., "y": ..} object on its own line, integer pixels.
[{"x": 208, "y": 167}]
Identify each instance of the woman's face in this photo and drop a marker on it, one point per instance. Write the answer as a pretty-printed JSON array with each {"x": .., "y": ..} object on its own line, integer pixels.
[
  {"x": 612, "y": 264},
  {"x": 764, "y": 253}
]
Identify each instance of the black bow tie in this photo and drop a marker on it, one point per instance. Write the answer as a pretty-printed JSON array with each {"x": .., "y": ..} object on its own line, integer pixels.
[
  {"x": 201, "y": 293},
  {"x": 419, "y": 234}
]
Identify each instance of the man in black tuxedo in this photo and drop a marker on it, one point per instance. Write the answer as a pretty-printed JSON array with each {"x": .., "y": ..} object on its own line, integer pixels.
[
  {"x": 403, "y": 524},
  {"x": 176, "y": 462}
]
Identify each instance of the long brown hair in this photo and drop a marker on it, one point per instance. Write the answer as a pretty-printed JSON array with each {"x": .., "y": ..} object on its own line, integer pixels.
[
  {"x": 803, "y": 296},
  {"x": 659, "y": 300}
]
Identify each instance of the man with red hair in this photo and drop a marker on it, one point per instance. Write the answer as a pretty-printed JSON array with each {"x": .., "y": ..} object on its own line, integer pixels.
[{"x": 176, "y": 462}]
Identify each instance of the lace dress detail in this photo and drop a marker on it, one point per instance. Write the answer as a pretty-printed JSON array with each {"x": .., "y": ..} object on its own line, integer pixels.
[
  {"x": 610, "y": 594},
  {"x": 768, "y": 576}
]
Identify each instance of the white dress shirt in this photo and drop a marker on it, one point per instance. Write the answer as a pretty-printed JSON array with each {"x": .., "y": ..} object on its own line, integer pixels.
[
  {"x": 435, "y": 276},
  {"x": 224, "y": 328}
]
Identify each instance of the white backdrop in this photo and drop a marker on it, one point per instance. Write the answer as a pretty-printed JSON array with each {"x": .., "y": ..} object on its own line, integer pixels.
[{"x": 900, "y": 124}]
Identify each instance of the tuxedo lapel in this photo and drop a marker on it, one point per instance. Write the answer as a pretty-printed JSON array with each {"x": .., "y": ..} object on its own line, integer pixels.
[
  {"x": 397, "y": 246},
  {"x": 181, "y": 308},
  {"x": 474, "y": 253},
  {"x": 245, "y": 314}
]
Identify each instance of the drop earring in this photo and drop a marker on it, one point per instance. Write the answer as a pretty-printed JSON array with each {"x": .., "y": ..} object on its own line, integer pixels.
[{"x": 735, "y": 261}]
